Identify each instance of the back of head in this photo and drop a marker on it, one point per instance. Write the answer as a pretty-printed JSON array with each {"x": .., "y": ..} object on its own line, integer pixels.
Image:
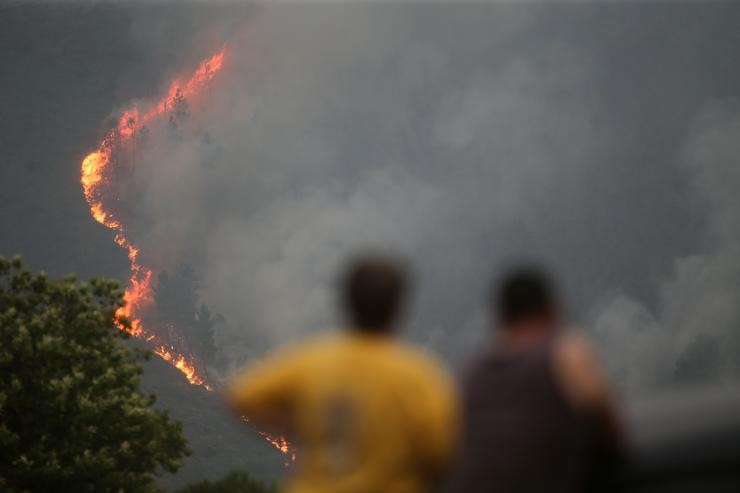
[
  {"x": 524, "y": 294},
  {"x": 373, "y": 292}
]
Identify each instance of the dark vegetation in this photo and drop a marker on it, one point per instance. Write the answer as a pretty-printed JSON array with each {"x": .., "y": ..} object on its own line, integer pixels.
[
  {"x": 72, "y": 417},
  {"x": 73, "y": 64},
  {"x": 235, "y": 482},
  {"x": 176, "y": 297}
]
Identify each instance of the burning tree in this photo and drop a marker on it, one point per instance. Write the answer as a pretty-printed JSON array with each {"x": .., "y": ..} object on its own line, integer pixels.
[{"x": 72, "y": 417}]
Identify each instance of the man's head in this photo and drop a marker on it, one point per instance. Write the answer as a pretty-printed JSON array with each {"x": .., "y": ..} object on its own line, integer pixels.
[
  {"x": 525, "y": 297},
  {"x": 373, "y": 293}
]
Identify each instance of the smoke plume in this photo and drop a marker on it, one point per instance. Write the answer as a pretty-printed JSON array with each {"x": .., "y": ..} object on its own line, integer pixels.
[
  {"x": 465, "y": 137},
  {"x": 693, "y": 334}
]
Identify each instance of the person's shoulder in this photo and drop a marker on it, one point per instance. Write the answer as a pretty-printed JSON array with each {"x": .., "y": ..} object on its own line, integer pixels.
[
  {"x": 418, "y": 363},
  {"x": 307, "y": 349},
  {"x": 574, "y": 351},
  {"x": 578, "y": 369}
]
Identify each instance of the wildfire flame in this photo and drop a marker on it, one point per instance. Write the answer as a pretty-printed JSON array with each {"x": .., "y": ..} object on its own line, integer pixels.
[
  {"x": 182, "y": 364},
  {"x": 96, "y": 177},
  {"x": 280, "y": 443}
]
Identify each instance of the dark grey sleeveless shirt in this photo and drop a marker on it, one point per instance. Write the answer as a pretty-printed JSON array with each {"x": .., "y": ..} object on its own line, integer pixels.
[{"x": 520, "y": 434}]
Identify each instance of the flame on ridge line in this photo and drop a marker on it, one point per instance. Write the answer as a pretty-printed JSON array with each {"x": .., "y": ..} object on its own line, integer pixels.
[
  {"x": 95, "y": 178},
  {"x": 279, "y": 442}
]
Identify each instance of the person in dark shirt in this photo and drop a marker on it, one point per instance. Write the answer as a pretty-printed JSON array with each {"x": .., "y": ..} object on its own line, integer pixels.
[{"x": 538, "y": 414}]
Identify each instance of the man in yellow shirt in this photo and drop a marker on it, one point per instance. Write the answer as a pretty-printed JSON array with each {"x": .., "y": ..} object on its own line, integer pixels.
[{"x": 368, "y": 413}]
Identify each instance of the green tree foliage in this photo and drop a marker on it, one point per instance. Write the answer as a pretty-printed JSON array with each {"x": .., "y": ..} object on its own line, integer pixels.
[
  {"x": 72, "y": 418},
  {"x": 235, "y": 482}
]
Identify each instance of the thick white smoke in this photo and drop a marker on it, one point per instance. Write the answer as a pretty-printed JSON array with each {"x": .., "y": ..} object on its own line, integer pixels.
[
  {"x": 694, "y": 333},
  {"x": 464, "y": 137}
]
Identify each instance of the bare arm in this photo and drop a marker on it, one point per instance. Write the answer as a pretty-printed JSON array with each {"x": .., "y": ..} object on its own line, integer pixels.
[
  {"x": 265, "y": 391},
  {"x": 582, "y": 379}
]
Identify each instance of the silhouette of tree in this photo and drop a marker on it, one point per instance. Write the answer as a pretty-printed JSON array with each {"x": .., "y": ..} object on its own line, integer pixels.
[
  {"x": 176, "y": 295},
  {"x": 176, "y": 299},
  {"x": 179, "y": 111},
  {"x": 204, "y": 336},
  {"x": 180, "y": 106}
]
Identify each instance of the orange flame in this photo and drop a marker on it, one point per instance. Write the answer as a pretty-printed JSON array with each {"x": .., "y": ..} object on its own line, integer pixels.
[
  {"x": 281, "y": 443},
  {"x": 95, "y": 177},
  {"x": 182, "y": 363}
]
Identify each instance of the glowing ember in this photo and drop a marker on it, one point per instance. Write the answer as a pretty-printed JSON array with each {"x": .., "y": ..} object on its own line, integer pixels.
[
  {"x": 185, "y": 365},
  {"x": 280, "y": 443}
]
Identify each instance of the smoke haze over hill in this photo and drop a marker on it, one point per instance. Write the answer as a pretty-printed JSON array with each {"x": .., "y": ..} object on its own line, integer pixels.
[{"x": 599, "y": 139}]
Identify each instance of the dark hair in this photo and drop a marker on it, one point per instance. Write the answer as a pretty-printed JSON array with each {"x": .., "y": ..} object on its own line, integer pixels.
[
  {"x": 524, "y": 292},
  {"x": 373, "y": 291}
]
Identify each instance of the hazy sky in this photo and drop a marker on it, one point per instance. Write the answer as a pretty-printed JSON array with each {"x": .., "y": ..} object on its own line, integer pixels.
[{"x": 601, "y": 140}]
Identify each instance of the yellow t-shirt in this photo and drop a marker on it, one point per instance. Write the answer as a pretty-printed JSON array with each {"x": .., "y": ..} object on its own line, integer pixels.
[{"x": 370, "y": 414}]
